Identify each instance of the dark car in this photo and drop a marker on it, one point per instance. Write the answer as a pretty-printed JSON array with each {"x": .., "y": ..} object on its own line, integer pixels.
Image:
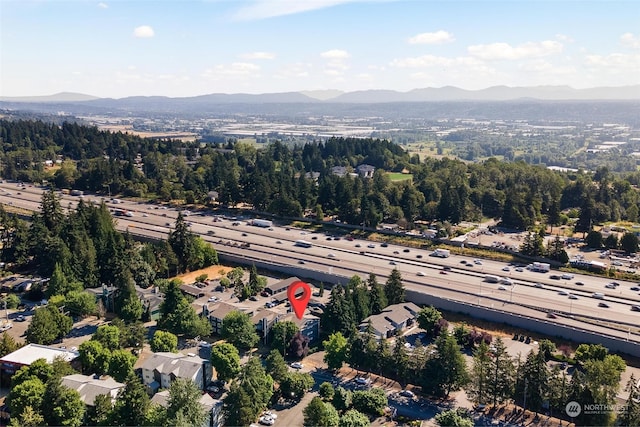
[
  {"x": 405, "y": 250},
  {"x": 554, "y": 277},
  {"x": 384, "y": 245}
]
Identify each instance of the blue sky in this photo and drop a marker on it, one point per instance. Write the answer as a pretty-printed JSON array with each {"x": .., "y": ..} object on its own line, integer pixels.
[{"x": 173, "y": 48}]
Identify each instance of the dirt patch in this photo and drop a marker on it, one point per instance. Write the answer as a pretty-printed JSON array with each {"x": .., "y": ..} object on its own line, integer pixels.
[{"x": 214, "y": 272}]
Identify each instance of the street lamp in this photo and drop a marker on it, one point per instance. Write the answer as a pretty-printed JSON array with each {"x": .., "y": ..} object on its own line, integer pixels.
[{"x": 511, "y": 295}]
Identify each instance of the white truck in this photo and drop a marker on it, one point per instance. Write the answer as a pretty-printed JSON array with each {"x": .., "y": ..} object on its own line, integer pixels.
[
  {"x": 491, "y": 278},
  {"x": 542, "y": 267},
  {"x": 441, "y": 253},
  {"x": 262, "y": 223}
]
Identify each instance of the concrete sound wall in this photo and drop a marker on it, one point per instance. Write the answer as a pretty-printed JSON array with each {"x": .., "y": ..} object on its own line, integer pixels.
[{"x": 527, "y": 323}]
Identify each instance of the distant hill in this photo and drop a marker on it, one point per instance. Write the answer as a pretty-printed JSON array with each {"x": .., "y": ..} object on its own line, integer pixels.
[
  {"x": 445, "y": 93},
  {"x": 58, "y": 97}
]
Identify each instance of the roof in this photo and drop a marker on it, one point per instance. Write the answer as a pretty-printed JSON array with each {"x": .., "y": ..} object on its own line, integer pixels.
[
  {"x": 178, "y": 364},
  {"x": 31, "y": 352},
  {"x": 283, "y": 284},
  {"x": 89, "y": 387},
  {"x": 393, "y": 314},
  {"x": 219, "y": 310},
  {"x": 162, "y": 398}
]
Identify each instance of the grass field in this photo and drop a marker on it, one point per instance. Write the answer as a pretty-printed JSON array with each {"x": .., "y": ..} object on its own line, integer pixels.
[{"x": 396, "y": 176}]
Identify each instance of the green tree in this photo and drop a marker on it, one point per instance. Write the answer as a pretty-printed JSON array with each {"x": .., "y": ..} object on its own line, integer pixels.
[
  {"x": 336, "y": 349},
  {"x": 447, "y": 371},
  {"x": 594, "y": 239},
  {"x": 28, "y": 393},
  {"x": 238, "y": 329},
  {"x": 99, "y": 414},
  {"x": 631, "y": 415},
  {"x": 164, "y": 341},
  {"x": 108, "y": 336},
  {"x": 321, "y": 414},
  {"x": 8, "y": 344},
  {"x": 28, "y": 418},
  {"x": 282, "y": 333},
  {"x": 248, "y": 396},
  {"x": 477, "y": 389},
  {"x": 64, "y": 407},
  {"x": 342, "y": 398},
  {"x": 393, "y": 288},
  {"x": 183, "y": 406},
  {"x": 326, "y": 391},
  {"x": 81, "y": 303},
  {"x": 533, "y": 382},
  {"x": 276, "y": 366},
  {"x": 377, "y": 297},
  {"x": 94, "y": 357},
  {"x": 132, "y": 403},
  {"x": 47, "y": 325},
  {"x": 121, "y": 364},
  {"x": 353, "y": 418},
  {"x": 454, "y": 418},
  {"x": 226, "y": 361},
  {"x": 296, "y": 384},
  {"x": 182, "y": 241},
  {"x": 502, "y": 377},
  {"x": 428, "y": 318},
  {"x": 629, "y": 243},
  {"x": 371, "y": 401}
]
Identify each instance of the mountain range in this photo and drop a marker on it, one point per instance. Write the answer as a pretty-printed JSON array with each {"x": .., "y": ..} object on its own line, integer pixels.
[{"x": 442, "y": 94}]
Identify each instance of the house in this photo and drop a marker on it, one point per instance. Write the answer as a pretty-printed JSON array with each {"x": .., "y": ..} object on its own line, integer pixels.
[
  {"x": 192, "y": 290},
  {"x": 151, "y": 301},
  {"x": 365, "y": 171},
  {"x": 393, "y": 319},
  {"x": 339, "y": 171},
  {"x": 281, "y": 286},
  {"x": 159, "y": 369},
  {"x": 309, "y": 325},
  {"x": 25, "y": 356},
  {"x": 216, "y": 313},
  {"x": 90, "y": 386},
  {"x": 213, "y": 407}
]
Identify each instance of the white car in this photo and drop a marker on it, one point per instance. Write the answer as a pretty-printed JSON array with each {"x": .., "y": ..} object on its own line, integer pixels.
[
  {"x": 204, "y": 344},
  {"x": 407, "y": 393},
  {"x": 266, "y": 421},
  {"x": 502, "y": 288},
  {"x": 296, "y": 365},
  {"x": 421, "y": 273},
  {"x": 371, "y": 245},
  {"x": 477, "y": 262},
  {"x": 506, "y": 269},
  {"x": 331, "y": 255},
  {"x": 563, "y": 293},
  {"x": 362, "y": 381},
  {"x": 212, "y": 299},
  {"x": 572, "y": 296},
  {"x": 270, "y": 414}
]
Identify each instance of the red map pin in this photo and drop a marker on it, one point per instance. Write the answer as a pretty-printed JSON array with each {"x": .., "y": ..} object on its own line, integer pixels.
[{"x": 299, "y": 304}]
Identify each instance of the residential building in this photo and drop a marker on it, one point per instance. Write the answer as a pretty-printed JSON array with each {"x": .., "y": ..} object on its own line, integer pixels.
[
  {"x": 158, "y": 370},
  {"x": 339, "y": 171},
  {"x": 216, "y": 313},
  {"x": 25, "y": 356},
  {"x": 365, "y": 171},
  {"x": 90, "y": 386},
  {"x": 393, "y": 319}
]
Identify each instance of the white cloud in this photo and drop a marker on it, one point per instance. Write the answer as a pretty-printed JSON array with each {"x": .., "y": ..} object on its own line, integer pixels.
[
  {"x": 102, "y": 5},
  {"x": 234, "y": 70},
  {"x": 335, "y": 54},
  {"x": 630, "y": 40},
  {"x": 426, "y": 61},
  {"x": 143, "y": 32},
  {"x": 496, "y": 51},
  {"x": 263, "y": 9},
  {"x": 439, "y": 37},
  {"x": 294, "y": 70},
  {"x": 258, "y": 55},
  {"x": 564, "y": 38},
  {"x": 546, "y": 68},
  {"x": 614, "y": 61}
]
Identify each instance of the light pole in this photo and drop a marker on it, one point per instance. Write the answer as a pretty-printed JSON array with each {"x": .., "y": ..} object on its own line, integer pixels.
[{"x": 511, "y": 295}]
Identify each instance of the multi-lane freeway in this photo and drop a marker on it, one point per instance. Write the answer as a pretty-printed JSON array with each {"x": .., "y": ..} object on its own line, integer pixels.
[{"x": 533, "y": 292}]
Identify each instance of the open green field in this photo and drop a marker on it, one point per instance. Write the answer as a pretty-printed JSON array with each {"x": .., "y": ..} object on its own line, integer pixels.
[{"x": 396, "y": 176}]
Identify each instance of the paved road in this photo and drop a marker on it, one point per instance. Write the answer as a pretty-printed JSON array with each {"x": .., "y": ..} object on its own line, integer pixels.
[{"x": 341, "y": 257}]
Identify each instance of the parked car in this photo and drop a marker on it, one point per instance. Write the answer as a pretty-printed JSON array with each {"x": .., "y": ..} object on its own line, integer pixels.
[
  {"x": 296, "y": 365},
  {"x": 362, "y": 381},
  {"x": 407, "y": 393},
  {"x": 266, "y": 421}
]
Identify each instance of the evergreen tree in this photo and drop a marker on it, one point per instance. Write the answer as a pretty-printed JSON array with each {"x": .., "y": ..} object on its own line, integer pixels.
[
  {"x": 377, "y": 297},
  {"x": 183, "y": 406},
  {"x": 480, "y": 375},
  {"x": 393, "y": 288},
  {"x": 501, "y": 383},
  {"x": 631, "y": 415},
  {"x": 132, "y": 403},
  {"x": 447, "y": 371},
  {"x": 63, "y": 405},
  {"x": 533, "y": 380}
]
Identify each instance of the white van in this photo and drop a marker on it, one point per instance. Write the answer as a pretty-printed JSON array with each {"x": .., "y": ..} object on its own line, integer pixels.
[{"x": 598, "y": 295}]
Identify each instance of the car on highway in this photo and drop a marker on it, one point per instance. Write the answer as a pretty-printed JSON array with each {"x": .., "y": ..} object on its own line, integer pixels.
[
  {"x": 392, "y": 263},
  {"x": 244, "y": 234},
  {"x": 420, "y": 273},
  {"x": 519, "y": 269},
  {"x": 443, "y": 272},
  {"x": 506, "y": 268},
  {"x": 563, "y": 293},
  {"x": 278, "y": 242},
  {"x": 635, "y": 308},
  {"x": 371, "y": 246},
  {"x": 384, "y": 245},
  {"x": 567, "y": 276},
  {"x": 358, "y": 245},
  {"x": 554, "y": 277},
  {"x": 550, "y": 315},
  {"x": 418, "y": 256},
  {"x": 610, "y": 286},
  {"x": 296, "y": 365},
  {"x": 580, "y": 283},
  {"x": 603, "y": 305},
  {"x": 502, "y": 288},
  {"x": 539, "y": 285},
  {"x": 572, "y": 296},
  {"x": 635, "y": 288},
  {"x": 477, "y": 262},
  {"x": 406, "y": 250},
  {"x": 301, "y": 261},
  {"x": 331, "y": 255}
]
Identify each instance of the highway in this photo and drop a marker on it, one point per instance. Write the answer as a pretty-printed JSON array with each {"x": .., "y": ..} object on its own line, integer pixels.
[{"x": 420, "y": 272}]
